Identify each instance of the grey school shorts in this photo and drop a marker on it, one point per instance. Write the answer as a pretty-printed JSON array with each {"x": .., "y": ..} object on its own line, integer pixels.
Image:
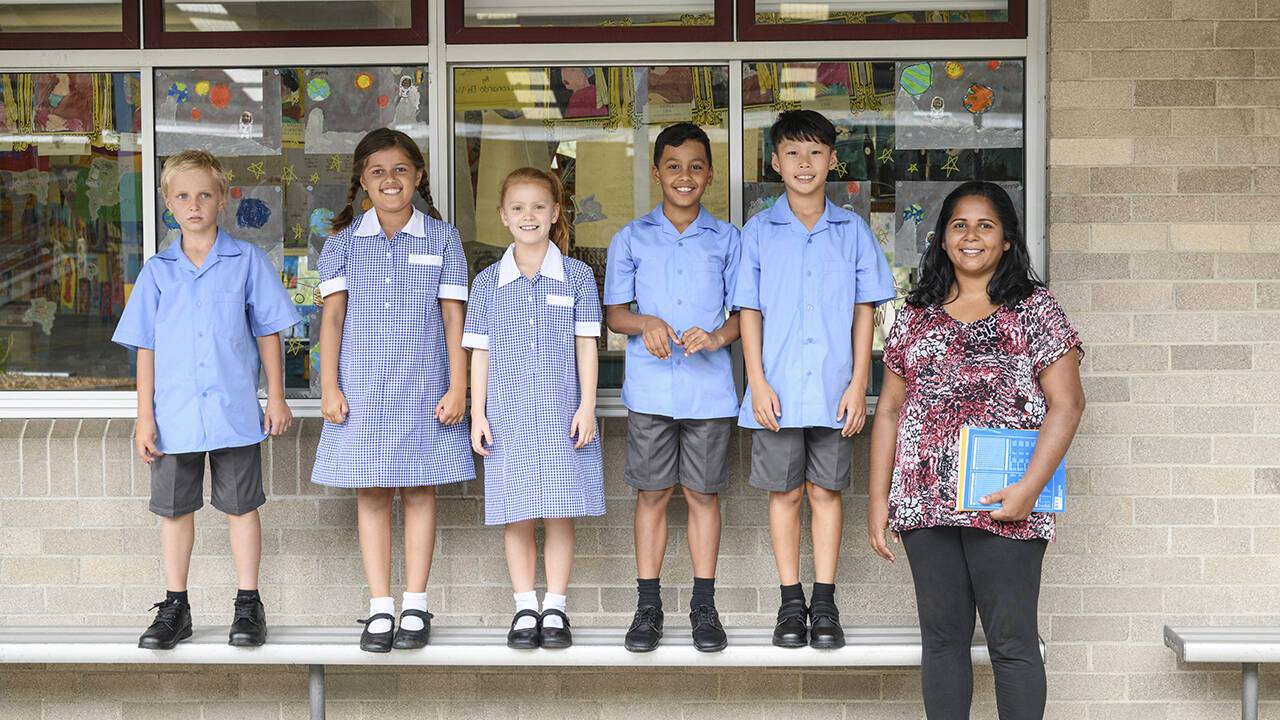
[
  {"x": 177, "y": 481},
  {"x": 662, "y": 451},
  {"x": 782, "y": 461}
]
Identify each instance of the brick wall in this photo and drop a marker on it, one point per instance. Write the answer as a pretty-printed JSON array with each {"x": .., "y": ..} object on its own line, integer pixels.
[{"x": 1165, "y": 238}]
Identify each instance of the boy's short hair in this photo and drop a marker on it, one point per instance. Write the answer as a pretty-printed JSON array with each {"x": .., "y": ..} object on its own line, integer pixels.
[
  {"x": 801, "y": 125},
  {"x": 191, "y": 160},
  {"x": 676, "y": 135}
]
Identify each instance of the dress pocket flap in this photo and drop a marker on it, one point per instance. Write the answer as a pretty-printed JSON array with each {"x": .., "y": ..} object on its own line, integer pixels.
[
  {"x": 560, "y": 300},
  {"x": 432, "y": 260}
]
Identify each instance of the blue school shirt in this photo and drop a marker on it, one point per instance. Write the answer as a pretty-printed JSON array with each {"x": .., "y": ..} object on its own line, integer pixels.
[
  {"x": 686, "y": 279},
  {"x": 201, "y": 324},
  {"x": 805, "y": 284}
]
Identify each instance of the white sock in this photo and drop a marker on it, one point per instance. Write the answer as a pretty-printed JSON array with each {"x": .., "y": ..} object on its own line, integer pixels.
[
  {"x": 526, "y": 601},
  {"x": 552, "y": 601},
  {"x": 381, "y": 605},
  {"x": 413, "y": 601}
]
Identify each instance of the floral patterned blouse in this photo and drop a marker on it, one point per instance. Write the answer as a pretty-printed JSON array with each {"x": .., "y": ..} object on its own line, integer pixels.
[{"x": 984, "y": 373}]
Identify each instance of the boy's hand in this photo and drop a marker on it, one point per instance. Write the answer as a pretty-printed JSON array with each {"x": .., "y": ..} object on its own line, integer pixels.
[
  {"x": 765, "y": 406},
  {"x": 1016, "y": 502},
  {"x": 658, "y": 336},
  {"x": 696, "y": 339},
  {"x": 452, "y": 406},
  {"x": 144, "y": 440},
  {"x": 481, "y": 435},
  {"x": 333, "y": 406},
  {"x": 278, "y": 417},
  {"x": 877, "y": 523},
  {"x": 852, "y": 410},
  {"x": 583, "y": 427}
]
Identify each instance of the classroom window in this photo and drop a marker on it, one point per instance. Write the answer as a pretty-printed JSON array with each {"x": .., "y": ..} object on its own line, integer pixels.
[
  {"x": 70, "y": 227},
  {"x": 37, "y": 24},
  {"x": 594, "y": 127},
  {"x": 544, "y": 21},
  {"x": 175, "y": 23},
  {"x": 285, "y": 136},
  {"x": 877, "y": 19},
  {"x": 908, "y": 132}
]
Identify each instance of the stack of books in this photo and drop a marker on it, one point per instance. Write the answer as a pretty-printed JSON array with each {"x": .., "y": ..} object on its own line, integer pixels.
[{"x": 992, "y": 459}]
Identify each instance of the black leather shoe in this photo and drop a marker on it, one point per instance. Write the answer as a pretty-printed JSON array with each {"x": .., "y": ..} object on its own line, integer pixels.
[
  {"x": 413, "y": 639},
  {"x": 555, "y": 637},
  {"x": 249, "y": 626},
  {"x": 528, "y": 638},
  {"x": 791, "y": 631},
  {"x": 645, "y": 630},
  {"x": 825, "y": 632},
  {"x": 377, "y": 642},
  {"x": 708, "y": 633},
  {"x": 172, "y": 625}
]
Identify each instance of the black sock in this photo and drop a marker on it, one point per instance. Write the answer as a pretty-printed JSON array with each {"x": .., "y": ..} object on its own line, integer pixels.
[
  {"x": 704, "y": 592},
  {"x": 792, "y": 592},
  {"x": 824, "y": 592},
  {"x": 171, "y": 596},
  {"x": 650, "y": 590},
  {"x": 247, "y": 595}
]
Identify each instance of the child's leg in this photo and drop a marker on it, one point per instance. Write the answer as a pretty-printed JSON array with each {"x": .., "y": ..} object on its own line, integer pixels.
[
  {"x": 827, "y": 507},
  {"x": 651, "y": 531},
  {"x": 246, "y": 547},
  {"x": 784, "y": 533},
  {"x": 704, "y": 532},
  {"x": 419, "y": 536},
  {"x": 373, "y": 518},
  {"x": 778, "y": 465},
  {"x": 177, "y": 537},
  {"x": 522, "y": 554},
  {"x": 557, "y": 554}
]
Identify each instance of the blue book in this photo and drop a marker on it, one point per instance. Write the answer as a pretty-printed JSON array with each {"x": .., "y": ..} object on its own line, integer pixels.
[{"x": 992, "y": 459}]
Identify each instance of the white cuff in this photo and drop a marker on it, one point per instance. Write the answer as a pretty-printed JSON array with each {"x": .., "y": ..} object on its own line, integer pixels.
[
  {"x": 329, "y": 287},
  {"x": 452, "y": 292},
  {"x": 475, "y": 341},
  {"x": 586, "y": 329}
]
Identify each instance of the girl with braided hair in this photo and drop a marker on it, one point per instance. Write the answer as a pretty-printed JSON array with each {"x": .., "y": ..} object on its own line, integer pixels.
[{"x": 393, "y": 373}]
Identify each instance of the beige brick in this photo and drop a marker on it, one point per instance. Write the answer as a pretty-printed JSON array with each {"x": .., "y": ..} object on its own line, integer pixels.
[
  {"x": 1129, "y": 9},
  {"x": 1240, "y": 570},
  {"x": 1172, "y": 64},
  {"x": 1269, "y": 8},
  {"x": 1070, "y": 65},
  {"x": 1130, "y": 180},
  {"x": 1070, "y": 237},
  {"x": 1173, "y": 208},
  {"x": 1254, "y": 208},
  {"x": 1268, "y": 120},
  {"x": 1129, "y": 237},
  {"x": 1265, "y": 238},
  {"x": 1089, "y": 266},
  {"x": 1211, "y": 481},
  {"x": 1214, "y": 9},
  {"x": 1173, "y": 266},
  {"x": 1220, "y": 540},
  {"x": 1175, "y": 93},
  {"x": 79, "y": 710},
  {"x": 1132, "y": 296},
  {"x": 1103, "y": 389},
  {"x": 1125, "y": 35},
  {"x": 1105, "y": 628},
  {"x": 1090, "y": 94},
  {"x": 1069, "y": 180},
  {"x": 37, "y": 570},
  {"x": 1214, "y": 180},
  {"x": 839, "y": 686},
  {"x": 1268, "y": 296},
  {"x": 1170, "y": 450},
  {"x": 1222, "y": 237},
  {"x": 1244, "y": 327},
  {"x": 1217, "y": 296},
  {"x": 1266, "y": 180},
  {"x": 1099, "y": 451},
  {"x": 1248, "y": 34},
  {"x": 1256, "y": 266},
  {"x": 1169, "y": 511},
  {"x": 1074, "y": 151},
  {"x": 1248, "y": 150},
  {"x": 1128, "y": 711},
  {"x": 1216, "y": 122},
  {"x": 1173, "y": 151},
  {"x": 1222, "y": 419},
  {"x": 1150, "y": 686},
  {"x": 1246, "y": 450},
  {"x": 1065, "y": 122},
  {"x": 1211, "y": 357}
]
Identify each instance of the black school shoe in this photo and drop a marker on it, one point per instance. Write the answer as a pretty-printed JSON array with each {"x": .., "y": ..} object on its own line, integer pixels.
[
  {"x": 708, "y": 633},
  {"x": 249, "y": 626},
  {"x": 555, "y": 638},
  {"x": 528, "y": 638},
  {"x": 171, "y": 626},
  {"x": 413, "y": 639},
  {"x": 825, "y": 632},
  {"x": 791, "y": 631},
  {"x": 377, "y": 642},
  {"x": 645, "y": 630}
]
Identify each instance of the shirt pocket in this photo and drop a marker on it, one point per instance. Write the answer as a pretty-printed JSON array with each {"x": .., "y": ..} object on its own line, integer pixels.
[
  {"x": 708, "y": 285},
  {"x": 837, "y": 284},
  {"x": 230, "y": 317},
  {"x": 423, "y": 274},
  {"x": 558, "y": 324}
]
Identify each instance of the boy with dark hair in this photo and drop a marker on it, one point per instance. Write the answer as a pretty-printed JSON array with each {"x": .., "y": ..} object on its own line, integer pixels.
[
  {"x": 678, "y": 264},
  {"x": 811, "y": 274}
]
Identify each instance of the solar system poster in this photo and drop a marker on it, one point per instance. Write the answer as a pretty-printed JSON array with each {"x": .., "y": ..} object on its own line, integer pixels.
[
  {"x": 344, "y": 103},
  {"x": 972, "y": 104},
  {"x": 222, "y": 111}
]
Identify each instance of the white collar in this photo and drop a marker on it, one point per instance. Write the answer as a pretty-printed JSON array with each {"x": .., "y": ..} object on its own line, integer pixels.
[
  {"x": 552, "y": 265},
  {"x": 370, "y": 227}
]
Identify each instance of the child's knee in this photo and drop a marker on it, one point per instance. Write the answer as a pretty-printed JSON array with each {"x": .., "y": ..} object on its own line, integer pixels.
[
  {"x": 822, "y": 497},
  {"x": 654, "y": 499},
  {"x": 787, "y": 498},
  {"x": 700, "y": 501},
  {"x": 417, "y": 496},
  {"x": 375, "y": 497}
]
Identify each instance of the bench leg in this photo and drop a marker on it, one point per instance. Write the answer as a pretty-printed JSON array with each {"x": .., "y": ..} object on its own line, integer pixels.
[
  {"x": 316, "y": 686},
  {"x": 1249, "y": 691}
]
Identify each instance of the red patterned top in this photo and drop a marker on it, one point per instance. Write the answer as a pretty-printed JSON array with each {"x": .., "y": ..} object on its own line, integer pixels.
[{"x": 984, "y": 373}]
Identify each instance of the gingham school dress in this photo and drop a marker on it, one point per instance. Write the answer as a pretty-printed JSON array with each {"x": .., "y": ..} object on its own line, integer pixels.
[
  {"x": 393, "y": 368},
  {"x": 528, "y": 327}
]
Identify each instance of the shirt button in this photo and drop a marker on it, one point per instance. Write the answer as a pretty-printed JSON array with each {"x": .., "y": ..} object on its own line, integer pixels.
[
  {"x": 204, "y": 394},
  {"x": 530, "y": 298},
  {"x": 808, "y": 373},
  {"x": 199, "y": 333},
  {"x": 808, "y": 272},
  {"x": 808, "y": 307},
  {"x": 679, "y": 244},
  {"x": 680, "y": 272},
  {"x": 679, "y": 302},
  {"x": 386, "y": 305},
  {"x": 809, "y": 340},
  {"x": 809, "y": 241},
  {"x": 386, "y": 280}
]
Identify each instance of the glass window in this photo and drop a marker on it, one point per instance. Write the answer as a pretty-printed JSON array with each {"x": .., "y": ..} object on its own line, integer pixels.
[
  {"x": 543, "y": 21},
  {"x": 76, "y": 24},
  {"x": 70, "y": 227},
  {"x": 882, "y": 19},
  {"x": 294, "y": 15},
  {"x": 908, "y": 133},
  {"x": 285, "y": 137},
  {"x": 594, "y": 127}
]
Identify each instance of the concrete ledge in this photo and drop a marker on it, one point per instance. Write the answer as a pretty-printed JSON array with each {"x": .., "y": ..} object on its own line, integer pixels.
[{"x": 1224, "y": 644}]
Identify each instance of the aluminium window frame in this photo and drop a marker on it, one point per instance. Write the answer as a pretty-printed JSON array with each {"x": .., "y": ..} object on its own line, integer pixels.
[
  {"x": 442, "y": 59},
  {"x": 129, "y": 36}
]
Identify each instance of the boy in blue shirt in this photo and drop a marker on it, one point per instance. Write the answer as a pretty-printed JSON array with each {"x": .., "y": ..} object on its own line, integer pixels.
[
  {"x": 810, "y": 276},
  {"x": 678, "y": 264},
  {"x": 193, "y": 317}
]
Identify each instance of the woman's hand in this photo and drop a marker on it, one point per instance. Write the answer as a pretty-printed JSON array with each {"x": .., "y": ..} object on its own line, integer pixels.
[
  {"x": 333, "y": 406},
  {"x": 583, "y": 427},
  {"x": 481, "y": 435},
  {"x": 1016, "y": 502},
  {"x": 452, "y": 406},
  {"x": 877, "y": 524}
]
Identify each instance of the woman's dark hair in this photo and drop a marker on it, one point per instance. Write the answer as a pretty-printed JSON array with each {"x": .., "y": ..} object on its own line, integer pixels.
[
  {"x": 375, "y": 141},
  {"x": 1014, "y": 279},
  {"x": 676, "y": 135}
]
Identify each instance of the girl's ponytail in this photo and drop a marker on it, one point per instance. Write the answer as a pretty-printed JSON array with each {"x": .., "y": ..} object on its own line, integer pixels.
[
  {"x": 424, "y": 189},
  {"x": 343, "y": 219}
]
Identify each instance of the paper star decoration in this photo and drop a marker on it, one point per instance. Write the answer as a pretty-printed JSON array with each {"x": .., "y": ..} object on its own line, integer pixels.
[
  {"x": 295, "y": 346},
  {"x": 315, "y": 178},
  {"x": 842, "y": 168},
  {"x": 950, "y": 165},
  {"x": 335, "y": 162},
  {"x": 288, "y": 175},
  {"x": 297, "y": 231},
  {"x": 886, "y": 155},
  {"x": 231, "y": 175},
  {"x": 913, "y": 168},
  {"x": 257, "y": 170}
]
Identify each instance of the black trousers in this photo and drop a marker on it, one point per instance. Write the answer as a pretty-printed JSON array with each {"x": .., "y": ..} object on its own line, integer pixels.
[{"x": 960, "y": 570}]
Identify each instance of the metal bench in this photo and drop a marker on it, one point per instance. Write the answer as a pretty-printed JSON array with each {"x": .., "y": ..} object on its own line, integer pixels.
[
  {"x": 318, "y": 647},
  {"x": 1247, "y": 646}
]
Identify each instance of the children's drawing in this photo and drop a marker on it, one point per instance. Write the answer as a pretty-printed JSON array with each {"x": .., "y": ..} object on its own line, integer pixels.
[
  {"x": 344, "y": 103},
  {"x": 990, "y": 93},
  {"x": 254, "y": 214},
  {"x": 917, "y": 203},
  {"x": 63, "y": 102},
  {"x": 222, "y": 111}
]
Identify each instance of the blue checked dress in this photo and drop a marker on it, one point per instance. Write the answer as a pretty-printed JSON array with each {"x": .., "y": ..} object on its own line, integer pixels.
[
  {"x": 528, "y": 327},
  {"x": 393, "y": 368}
]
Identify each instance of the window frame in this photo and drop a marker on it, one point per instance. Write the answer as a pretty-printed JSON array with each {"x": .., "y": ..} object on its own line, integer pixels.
[
  {"x": 1015, "y": 27},
  {"x": 127, "y": 38},
  {"x": 157, "y": 37},
  {"x": 441, "y": 59},
  {"x": 457, "y": 32}
]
